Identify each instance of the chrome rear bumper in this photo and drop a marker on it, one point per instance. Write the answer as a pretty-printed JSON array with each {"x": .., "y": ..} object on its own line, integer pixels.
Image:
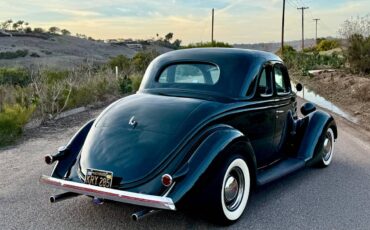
[{"x": 159, "y": 202}]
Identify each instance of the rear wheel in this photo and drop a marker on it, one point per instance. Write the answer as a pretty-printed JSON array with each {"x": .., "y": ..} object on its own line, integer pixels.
[
  {"x": 222, "y": 195},
  {"x": 235, "y": 190}
]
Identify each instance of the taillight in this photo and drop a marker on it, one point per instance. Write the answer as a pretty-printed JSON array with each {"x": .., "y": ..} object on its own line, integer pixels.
[{"x": 167, "y": 180}]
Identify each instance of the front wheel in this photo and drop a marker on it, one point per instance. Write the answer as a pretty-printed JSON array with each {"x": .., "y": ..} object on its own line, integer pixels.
[{"x": 325, "y": 150}]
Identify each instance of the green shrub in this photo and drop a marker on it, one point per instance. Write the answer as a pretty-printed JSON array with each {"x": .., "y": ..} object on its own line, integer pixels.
[
  {"x": 12, "y": 55},
  {"x": 141, "y": 60},
  {"x": 12, "y": 120},
  {"x": 303, "y": 62},
  {"x": 207, "y": 44},
  {"x": 136, "y": 81},
  {"x": 14, "y": 76},
  {"x": 34, "y": 54},
  {"x": 138, "y": 63},
  {"x": 326, "y": 45},
  {"x": 123, "y": 63},
  {"x": 125, "y": 85},
  {"x": 358, "y": 53}
]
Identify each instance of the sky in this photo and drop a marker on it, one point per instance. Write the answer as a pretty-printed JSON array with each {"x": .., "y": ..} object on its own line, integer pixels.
[{"x": 236, "y": 21}]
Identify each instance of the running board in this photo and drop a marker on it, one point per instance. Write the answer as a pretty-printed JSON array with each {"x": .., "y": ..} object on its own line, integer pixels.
[{"x": 279, "y": 170}]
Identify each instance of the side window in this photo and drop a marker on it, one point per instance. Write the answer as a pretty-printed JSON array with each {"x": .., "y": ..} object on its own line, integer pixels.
[
  {"x": 281, "y": 83},
  {"x": 264, "y": 88}
]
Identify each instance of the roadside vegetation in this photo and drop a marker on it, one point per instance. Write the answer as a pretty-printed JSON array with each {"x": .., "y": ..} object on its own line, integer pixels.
[
  {"x": 43, "y": 93},
  {"x": 344, "y": 64},
  {"x": 351, "y": 52},
  {"x": 207, "y": 44}
]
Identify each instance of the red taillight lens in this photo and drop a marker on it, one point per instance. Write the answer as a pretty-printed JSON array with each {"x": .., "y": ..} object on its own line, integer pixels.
[{"x": 167, "y": 180}]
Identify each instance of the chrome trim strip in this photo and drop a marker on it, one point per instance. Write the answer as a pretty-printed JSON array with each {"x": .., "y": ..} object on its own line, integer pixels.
[{"x": 110, "y": 194}]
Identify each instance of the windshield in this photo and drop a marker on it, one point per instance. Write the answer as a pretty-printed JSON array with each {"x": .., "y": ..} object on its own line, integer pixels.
[{"x": 190, "y": 73}]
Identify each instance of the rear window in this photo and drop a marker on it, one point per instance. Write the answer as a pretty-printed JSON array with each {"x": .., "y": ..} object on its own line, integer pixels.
[{"x": 190, "y": 73}]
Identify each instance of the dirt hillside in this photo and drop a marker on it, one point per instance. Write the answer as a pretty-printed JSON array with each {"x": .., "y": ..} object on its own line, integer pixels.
[
  {"x": 349, "y": 91},
  {"x": 62, "y": 51}
]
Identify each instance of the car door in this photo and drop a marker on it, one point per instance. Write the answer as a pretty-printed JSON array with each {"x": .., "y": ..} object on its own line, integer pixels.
[
  {"x": 284, "y": 100},
  {"x": 261, "y": 121}
]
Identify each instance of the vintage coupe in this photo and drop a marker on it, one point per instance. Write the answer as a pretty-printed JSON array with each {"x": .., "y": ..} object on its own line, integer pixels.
[{"x": 205, "y": 127}]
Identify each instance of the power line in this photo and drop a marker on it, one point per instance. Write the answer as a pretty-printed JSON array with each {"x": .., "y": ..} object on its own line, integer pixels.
[
  {"x": 316, "y": 20},
  {"x": 213, "y": 23},
  {"x": 303, "y": 9},
  {"x": 282, "y": 30}
]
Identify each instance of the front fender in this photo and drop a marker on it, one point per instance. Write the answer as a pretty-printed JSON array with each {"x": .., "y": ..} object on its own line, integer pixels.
[
  {"x": 73, "y": 148},
  {"x": 203, "y": 157},
  {"x": 318, "y": 121}
]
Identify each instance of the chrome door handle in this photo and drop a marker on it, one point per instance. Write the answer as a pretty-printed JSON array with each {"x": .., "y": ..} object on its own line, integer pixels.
[{"x": 280, "y": 111}]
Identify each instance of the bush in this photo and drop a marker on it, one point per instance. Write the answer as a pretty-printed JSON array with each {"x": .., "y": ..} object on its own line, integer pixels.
[
  {"x": 34, "y": 54},
  {"x": 136, "y": 81},
  {"x": 14, "y": 76},
  {"x": 207, "y": 44},
  {"x": 141, "y": 60},
  {"x": 358, "y": 53},
  {"x": 12, "y": 120},
  {"x": 138, "y": 63},
  {"x": 38, "y": 30},
  {"x": 123, "y": 63},
  {"x": 303, "y": 62},
  {"x": 12, "y": 55},
  {"x": 326, "y": 45},
  {"x": 125, "y": 85}
]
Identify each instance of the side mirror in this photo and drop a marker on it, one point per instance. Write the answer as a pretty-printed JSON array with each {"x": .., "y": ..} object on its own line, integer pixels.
[
  {"x": 299, "y": 87},
  {"x": 307, "y": 108}
]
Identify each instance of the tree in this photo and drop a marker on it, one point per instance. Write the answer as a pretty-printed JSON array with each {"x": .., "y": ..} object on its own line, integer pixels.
[
  {"x": 352, "y": 26},
  {"x": 176, "y": 44},
  {"x": 168, "y": 37},
  {"x": 38, "y": 30},
  {"x": 15, "y": 25},
  {"x": 65, "y": 32},
  {"x": 20, "y": 24},
  {"x": 5, "y": 25},
  {"x": 28, "y": 29},
  {"x": 54, "y": 30}
]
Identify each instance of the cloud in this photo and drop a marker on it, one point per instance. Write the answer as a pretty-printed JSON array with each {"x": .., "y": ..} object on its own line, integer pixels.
[{"x": 235, "y": 20}]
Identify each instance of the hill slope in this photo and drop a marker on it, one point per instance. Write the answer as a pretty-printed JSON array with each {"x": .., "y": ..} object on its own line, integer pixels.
[{"x": 62, "y": 51}]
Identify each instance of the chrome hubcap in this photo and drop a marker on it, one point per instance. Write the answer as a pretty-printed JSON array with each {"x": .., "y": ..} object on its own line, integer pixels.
[
  {"x": 327, "y": 147},
  {"x": 234, "y": 188},
  {"x": 231, "y": 189}
]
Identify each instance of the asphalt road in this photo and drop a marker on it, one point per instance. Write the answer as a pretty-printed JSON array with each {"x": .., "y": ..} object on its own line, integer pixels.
[{"x": 337, "y": 197}]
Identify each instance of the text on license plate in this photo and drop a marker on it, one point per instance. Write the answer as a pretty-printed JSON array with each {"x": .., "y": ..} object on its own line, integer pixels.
[{"x": 99, "y": 178}]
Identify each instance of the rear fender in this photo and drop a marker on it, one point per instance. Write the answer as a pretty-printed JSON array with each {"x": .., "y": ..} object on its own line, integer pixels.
[
  {"x": 73, "y": 148},
  {"x": 317, "y": 123},
  {"x": 202, "y": 158}
]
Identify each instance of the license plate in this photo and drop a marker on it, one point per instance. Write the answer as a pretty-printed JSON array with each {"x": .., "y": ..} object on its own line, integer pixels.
[{"x": 99, "y": 178}]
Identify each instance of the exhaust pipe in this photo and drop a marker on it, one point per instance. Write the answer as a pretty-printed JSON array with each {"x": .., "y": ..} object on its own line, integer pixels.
[
  {"x": 62, "y": 196},
  {"x": 49, "y": 159},
  {"x": 143, "y": 213}
]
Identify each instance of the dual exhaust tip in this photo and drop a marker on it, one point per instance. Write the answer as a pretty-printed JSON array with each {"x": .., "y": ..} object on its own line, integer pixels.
[{"x": 135, "y": 216}]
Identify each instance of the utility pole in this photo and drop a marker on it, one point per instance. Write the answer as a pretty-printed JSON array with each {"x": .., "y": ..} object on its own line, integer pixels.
[
  {"x": 316, "y": 20},
  {"x": 213, "y": 23},
  {"x": 282, "y": 30},
  {"x": 302, "y": 8}
]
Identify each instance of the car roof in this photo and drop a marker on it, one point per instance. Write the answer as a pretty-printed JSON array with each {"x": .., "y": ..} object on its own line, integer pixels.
[{"x": 239, "y": 67}]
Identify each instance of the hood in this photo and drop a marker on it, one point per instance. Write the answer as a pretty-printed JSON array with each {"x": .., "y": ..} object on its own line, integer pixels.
[{"x": 135, "y": 134}]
